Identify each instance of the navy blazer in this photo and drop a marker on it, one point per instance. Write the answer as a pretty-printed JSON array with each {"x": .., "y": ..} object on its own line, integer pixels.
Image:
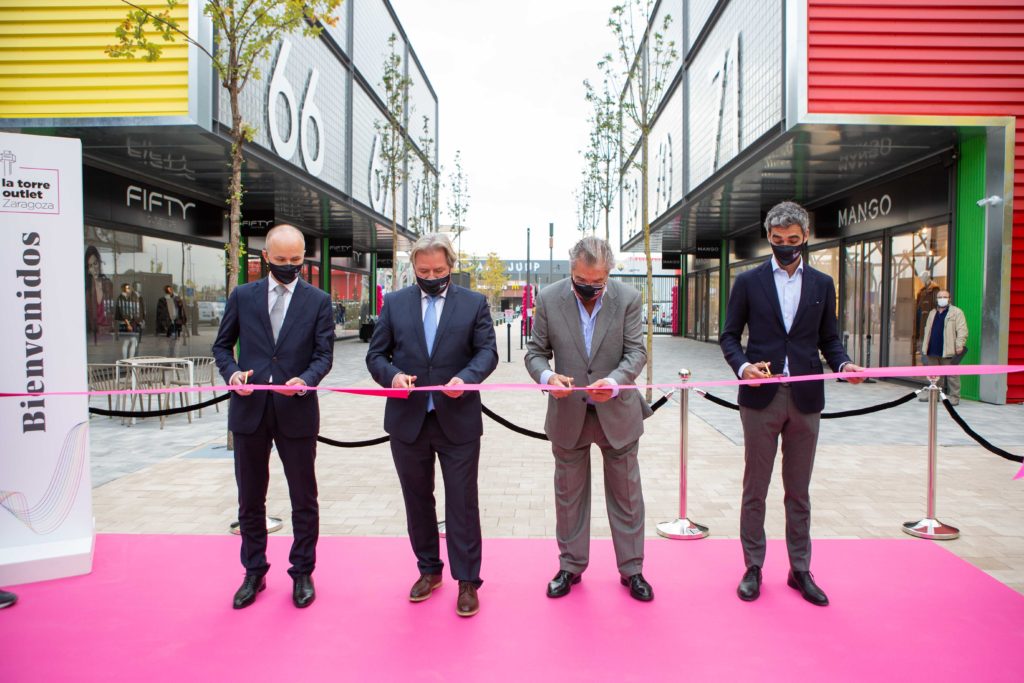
[
  {"x": 754, "y": 304},
  {"x": 464, "y": 347},
  {"x": 305, "y": 349}
]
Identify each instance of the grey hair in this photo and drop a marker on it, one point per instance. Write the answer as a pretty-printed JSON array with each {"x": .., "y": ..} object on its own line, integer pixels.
[
  {"x": 592, "y": 251},
  {"x": 787, "y": 213},
  {"x": 433, "y": 241}
]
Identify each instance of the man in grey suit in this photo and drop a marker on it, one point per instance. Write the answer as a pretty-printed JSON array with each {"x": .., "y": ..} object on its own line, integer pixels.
[{"x": 591, "y": 325}]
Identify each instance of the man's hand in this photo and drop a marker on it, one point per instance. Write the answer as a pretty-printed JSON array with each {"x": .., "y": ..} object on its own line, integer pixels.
[
  {"x": 560, "y": 381},
  {"x": 850, "y": 367},
  {"x": 600, "y": 391},
  {"x": 297, "y": 384},
  {"x": 403, "y": 381},
  {"x": 761, "y": 370},
  {"x": 453, "y": 393},
  {"x": 240, "y": 379}
]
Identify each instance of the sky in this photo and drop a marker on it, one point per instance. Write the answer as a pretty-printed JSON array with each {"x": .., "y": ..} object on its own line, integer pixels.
[{"x": 509, "y": 81}]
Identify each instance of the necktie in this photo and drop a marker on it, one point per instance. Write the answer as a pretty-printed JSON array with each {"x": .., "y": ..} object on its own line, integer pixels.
[
  {"x": 430, "y": 330},
  {"x": 277, "y": 312}
]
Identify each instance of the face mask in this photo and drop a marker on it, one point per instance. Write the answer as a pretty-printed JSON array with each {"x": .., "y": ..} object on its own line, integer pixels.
[
  {"x": 586, "y": 292},
  {"x": 786, "y": 254},
  {"x": 943, "y": 302},
  {"x": 284, "y": 273},
  {"x": 434, "y": 286}
]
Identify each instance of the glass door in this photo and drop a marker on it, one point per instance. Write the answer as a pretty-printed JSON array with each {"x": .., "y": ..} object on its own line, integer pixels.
[
  {"x": 864, "y": 298},
  {"x": 918, "y": 269}
]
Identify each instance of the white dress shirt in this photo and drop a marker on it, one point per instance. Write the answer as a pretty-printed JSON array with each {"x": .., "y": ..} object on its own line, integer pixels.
[
  {"x": 788, "y": 288},
  {"x": 438, "y": 304}
]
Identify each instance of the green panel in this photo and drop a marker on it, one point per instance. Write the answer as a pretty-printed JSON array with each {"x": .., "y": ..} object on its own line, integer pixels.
[
  {"x": 970, "y": 249},
  {"x": 243, "y": 260},
  {"x": 681, "y": 301}
]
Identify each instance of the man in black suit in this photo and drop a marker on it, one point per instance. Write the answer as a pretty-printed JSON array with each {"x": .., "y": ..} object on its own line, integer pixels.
[
  {"x": 285, "y": 332},
  {"x": 789, "y": 310},
  {"x": 436, "y": 333}
]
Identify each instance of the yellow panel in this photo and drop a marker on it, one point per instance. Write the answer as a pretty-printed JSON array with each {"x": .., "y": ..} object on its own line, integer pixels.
[{"x": 53, "y": 64}]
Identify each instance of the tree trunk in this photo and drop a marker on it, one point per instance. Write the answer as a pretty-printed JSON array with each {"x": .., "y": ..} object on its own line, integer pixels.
[
  {"x": 235, "y": 198},
  {"x": 607, "y": 232},
  {"x": 394, "y": 236},
  {"x": 648, "y": 304}
]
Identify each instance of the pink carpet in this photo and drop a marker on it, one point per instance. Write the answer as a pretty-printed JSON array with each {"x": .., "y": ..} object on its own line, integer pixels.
[{"x": 157, "y": 608}]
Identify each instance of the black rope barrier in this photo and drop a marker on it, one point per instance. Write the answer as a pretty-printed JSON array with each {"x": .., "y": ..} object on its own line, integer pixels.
[
  {"x": 828, "y": 416},
  {"x": 159, "y": 413},
  {"x": 870, "y": 409},
  {"x": 515, "y": 428},
  {"x": 977, "y": 437},
  {"x": 353, "y": 444}
]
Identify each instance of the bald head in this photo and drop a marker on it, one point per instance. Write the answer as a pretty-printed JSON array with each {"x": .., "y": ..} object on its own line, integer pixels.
[{"x": 285, "y": 247}]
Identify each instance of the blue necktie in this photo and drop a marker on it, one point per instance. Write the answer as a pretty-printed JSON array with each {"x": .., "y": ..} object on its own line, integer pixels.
[{"x": 430, "y": 330}]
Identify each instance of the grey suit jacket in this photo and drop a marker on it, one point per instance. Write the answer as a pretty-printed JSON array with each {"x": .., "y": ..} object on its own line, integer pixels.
[{"x": 616, "y": 352}]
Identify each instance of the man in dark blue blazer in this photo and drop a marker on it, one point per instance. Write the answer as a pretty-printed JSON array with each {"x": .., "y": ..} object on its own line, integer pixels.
[
  {"x": 285, "y": 334},
  {"x": 789, "y": 311},
  {"x": 435, "y": 333}
]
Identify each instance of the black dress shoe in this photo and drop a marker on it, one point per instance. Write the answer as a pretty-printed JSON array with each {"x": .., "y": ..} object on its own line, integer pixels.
[
  {"x": 562, "y": 584},
  {"x": 750, "y": 586},
  {"x": 638, "y": 587},
  {"x": 246, "y": 593},
  {"x": 7, "y": 599},
  {"x": 303, "y": 593},
  {"x": 804, "y": 582}
]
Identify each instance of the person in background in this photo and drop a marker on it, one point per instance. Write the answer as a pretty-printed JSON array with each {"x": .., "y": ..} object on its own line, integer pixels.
[
  {"x": 170, "y": 318},
  {"x": 99, "y": 290},
  {"x": 128, "y": 314},
  {"x": 944, "y": 342}
]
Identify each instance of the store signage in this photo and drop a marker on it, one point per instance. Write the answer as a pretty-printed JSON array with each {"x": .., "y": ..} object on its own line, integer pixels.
[
  {"x": 46, "y": 528},
  {"x": 385, "y": 260},
  {"x": 709, "y": 249},
  {"x": 153, "y": 201},
  {"x": 919, "y": 196},
  {"x": 256, "y": 223},
  {"x": 110, "y": 197},
  {"x": 301, "y": 121},
  {"x": 339, "y": 250},
  {"x": 671, "y": 260},
  {"x": 725, "y": 91},
  {"x": 666, "y": 175}
]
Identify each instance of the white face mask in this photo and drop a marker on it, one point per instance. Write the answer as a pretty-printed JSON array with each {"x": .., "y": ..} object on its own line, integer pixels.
[{"x": 943, "y": 302}]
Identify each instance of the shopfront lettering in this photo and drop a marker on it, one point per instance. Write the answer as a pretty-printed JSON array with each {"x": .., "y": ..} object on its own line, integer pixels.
[
  {"x": 725, "y": 86},
  {"x": 157, "y": 202},
  {"x": 29, "y": 290},
  {"x": 305, "y": 127},
  {"x": 865, "y": 211}
]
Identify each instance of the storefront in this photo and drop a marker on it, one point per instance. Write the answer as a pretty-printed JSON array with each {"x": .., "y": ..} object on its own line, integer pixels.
[
  {"x": 909, "y": 177},
  {"x": 155, "y": 141}
]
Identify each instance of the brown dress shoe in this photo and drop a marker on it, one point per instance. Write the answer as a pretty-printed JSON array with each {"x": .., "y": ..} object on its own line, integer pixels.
[
  {"x": 468, "y": 604},
  {"x": 424, "y": 586}
]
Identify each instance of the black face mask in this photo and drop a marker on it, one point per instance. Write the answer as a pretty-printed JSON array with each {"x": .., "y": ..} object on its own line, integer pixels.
[
  {"x": 284, "y": 273},
  {"x": 586, "y": 292},
  {"x": 435, "y": 286},
  {"x": 786, "y": 254}
]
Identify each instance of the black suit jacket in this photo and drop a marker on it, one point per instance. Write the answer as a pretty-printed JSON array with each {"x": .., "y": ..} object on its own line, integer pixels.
[
  {"x": 305, "y": 349},
  {"x": 464, "y": 346},
  {"x": 754, "y": 304}
]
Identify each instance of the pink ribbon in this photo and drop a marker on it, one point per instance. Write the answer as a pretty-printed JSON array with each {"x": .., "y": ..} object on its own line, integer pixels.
[{"x": 903, "y": 371}]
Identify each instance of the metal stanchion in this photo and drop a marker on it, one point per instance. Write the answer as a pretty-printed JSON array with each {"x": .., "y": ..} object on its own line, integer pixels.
[
  {"x": 442, "y": 529},
  {"x": 273, "y": 524},
  {"x": 683, "y": 528},
  {"x": 930, "y": 527},
  {"x": 508, "y": 339}
]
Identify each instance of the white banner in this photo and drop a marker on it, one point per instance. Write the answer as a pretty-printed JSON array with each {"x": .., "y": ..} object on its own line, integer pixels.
[{"x": 46, "y": 524}]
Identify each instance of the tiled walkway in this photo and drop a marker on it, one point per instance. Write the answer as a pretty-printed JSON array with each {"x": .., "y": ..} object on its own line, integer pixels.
[{"x": 869, "y": 475}]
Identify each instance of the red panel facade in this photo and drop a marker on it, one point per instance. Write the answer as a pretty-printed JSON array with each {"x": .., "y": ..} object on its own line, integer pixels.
[{"x": 928, "y": 57}]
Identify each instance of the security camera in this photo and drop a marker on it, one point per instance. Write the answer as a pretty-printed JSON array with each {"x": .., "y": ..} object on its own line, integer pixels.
[{"x": 994, "y": 200}]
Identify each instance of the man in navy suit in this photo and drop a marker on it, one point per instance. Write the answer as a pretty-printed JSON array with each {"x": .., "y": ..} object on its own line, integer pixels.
[
  {"x": 436, "y": 333},
  {"x": 285, "y": 334},
  {"x": 789, "y": 311}
]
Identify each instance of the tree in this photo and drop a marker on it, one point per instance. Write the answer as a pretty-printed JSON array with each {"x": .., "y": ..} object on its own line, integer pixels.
[
  {"x": 458, "y": 198},
  {"x": 586, "y": 203},
  {"x": 602, "y": 155},
  {"x": 492, "y": 279},
  {"x": 642, "y": 65},
  {"x": 395, "y": 145},
  {"x": 244, "y": 34},
  {"x": 422, "y": 219}
]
